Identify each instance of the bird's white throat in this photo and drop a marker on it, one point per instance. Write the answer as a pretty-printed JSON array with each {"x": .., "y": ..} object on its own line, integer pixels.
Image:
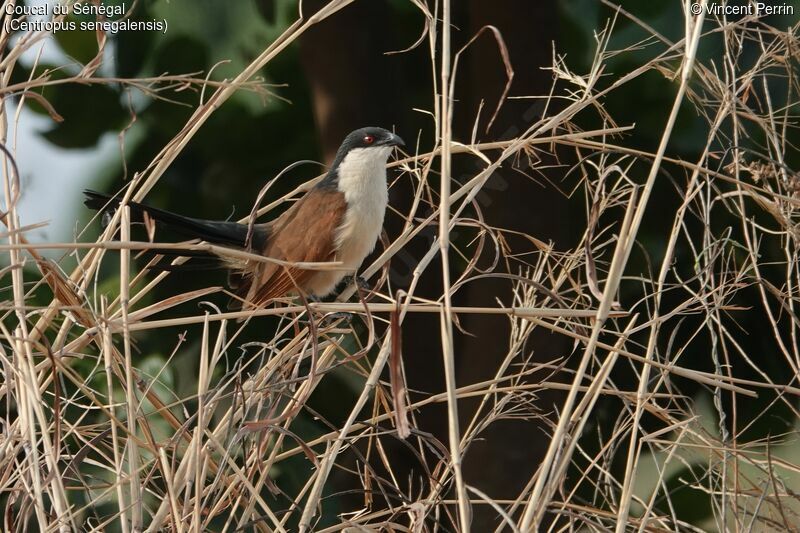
[
  {"x": 363, "y": 171},
  {"x": 362, "y": 180}
]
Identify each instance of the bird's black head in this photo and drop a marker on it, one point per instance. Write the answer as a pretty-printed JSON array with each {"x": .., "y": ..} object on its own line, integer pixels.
[
  {"x": 377, "y": 142},
  {"x": 366, "y": 138}
]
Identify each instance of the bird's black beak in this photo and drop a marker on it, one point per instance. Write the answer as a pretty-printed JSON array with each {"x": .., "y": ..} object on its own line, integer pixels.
[{"x": 394, "y": 140}]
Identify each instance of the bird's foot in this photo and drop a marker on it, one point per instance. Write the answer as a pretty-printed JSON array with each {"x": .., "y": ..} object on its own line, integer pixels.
[{"x": 330, "y": 318}]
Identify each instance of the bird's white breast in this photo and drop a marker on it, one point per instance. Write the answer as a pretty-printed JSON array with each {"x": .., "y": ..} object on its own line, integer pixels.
[{"x": 362, "y": 180}]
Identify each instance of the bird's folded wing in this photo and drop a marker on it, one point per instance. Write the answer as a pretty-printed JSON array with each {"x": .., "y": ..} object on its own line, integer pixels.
[{"x": 305, "y": 233}]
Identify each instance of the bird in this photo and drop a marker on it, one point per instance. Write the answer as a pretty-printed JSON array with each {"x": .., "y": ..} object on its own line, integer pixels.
[{"x": 339, "y": 219}]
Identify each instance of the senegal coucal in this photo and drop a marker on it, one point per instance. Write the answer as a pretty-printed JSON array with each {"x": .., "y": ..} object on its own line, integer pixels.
[{"x": 339, "y": 219}]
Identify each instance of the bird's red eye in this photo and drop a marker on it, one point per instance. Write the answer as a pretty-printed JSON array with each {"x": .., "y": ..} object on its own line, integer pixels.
[{"x": 369, "y": 139}]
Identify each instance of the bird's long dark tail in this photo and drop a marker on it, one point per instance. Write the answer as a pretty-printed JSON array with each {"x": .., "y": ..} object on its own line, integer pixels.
[{"x": 217, "y": 232}]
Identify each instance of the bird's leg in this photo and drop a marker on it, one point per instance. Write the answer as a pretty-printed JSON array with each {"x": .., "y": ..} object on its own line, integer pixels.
[
  {"x": 359, "y": 281},
  {"x": 362, "y": 284}
]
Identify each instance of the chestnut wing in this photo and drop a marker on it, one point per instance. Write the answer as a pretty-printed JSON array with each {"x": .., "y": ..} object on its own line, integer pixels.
[{"x": 304, "y": 233}]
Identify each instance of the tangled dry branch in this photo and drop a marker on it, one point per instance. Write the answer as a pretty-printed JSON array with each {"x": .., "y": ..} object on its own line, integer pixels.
[{"x": 143, "y": 457}]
